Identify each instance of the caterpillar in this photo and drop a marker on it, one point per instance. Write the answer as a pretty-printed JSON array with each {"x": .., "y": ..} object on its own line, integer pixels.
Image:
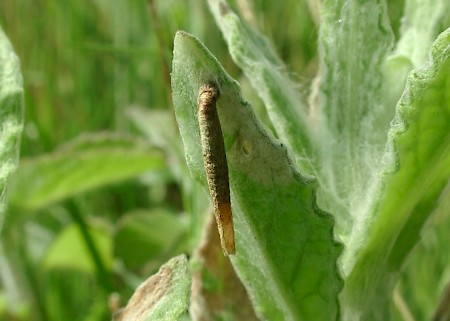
[{"x": 215, "y": 163}]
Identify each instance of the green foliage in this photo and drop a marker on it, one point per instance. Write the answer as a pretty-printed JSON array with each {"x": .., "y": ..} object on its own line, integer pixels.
[
  {"x": 11, "y": 116},
  {"x": 380, "y": 191},
  {"x": 266, "y": 226},
  {"x": 89, "y": 162},
  {"x": 415, "y": 171},
  {"x": 103, "y": 196},
  {"x": 148, "y": 234},
  {"x": 78, "y": 258}
]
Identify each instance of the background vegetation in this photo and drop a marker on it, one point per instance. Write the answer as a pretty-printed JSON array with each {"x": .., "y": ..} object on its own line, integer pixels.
[{"x": 97, "y": 87}]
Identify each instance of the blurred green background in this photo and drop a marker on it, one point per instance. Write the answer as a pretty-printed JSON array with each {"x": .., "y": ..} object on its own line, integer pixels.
[{"x": 100, "y": 132}]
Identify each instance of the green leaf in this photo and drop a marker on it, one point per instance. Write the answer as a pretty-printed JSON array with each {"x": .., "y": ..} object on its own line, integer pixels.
[
  {"x": 163, "y": 297},
  {"x": 79, "y": 257},
  {"x": 268, "y": 75},
  {"x": 144, "y": 235},
  {"x": 428, "y": 270},
  {"x": 420, "y": 26},
  {"x": 161, "y": 130},
  {"x": 11, "y": 115},
  {"x": 285, "y": 251},
  {"x": 355, "y": 37},
  {"x": 414, "y": 173},
  {"x": 89, "y": 162}
]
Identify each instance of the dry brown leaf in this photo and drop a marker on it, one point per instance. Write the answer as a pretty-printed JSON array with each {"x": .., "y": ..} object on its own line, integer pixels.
[{"x": 216, "y": 289}]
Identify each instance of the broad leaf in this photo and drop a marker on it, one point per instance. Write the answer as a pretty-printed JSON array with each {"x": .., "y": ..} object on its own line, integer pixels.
[
  {"x": 285, "y": 251},
  {"x": 89, "y": 162},
  {"x": 145, "y": 235},
  {"x": 11, "y": 115},
  {"x": 78, "y": 257}
]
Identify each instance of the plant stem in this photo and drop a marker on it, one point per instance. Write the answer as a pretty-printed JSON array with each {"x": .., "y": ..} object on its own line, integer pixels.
[
  {"x": 443, "y": 309},
  {"x": 102, "y": 273},
  {"x": 401, "y": 306},
  {"x": 161, "y": 45}
]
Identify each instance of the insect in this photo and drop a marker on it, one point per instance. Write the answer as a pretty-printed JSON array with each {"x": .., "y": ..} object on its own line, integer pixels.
[{"x": 215, "y": 163}]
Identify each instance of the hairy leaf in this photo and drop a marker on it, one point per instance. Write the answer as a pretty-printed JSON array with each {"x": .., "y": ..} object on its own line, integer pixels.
[
  {"x": 413, "y": 174},
  {"x": 268, "y": 75},
  {"x": 420, "y": 26},
  {"x": 355, "y": 38},
  {"x": 11, "y": 115},
  {"x": 144, "y": 235},
  {"x": 163, "y": 296},
  {"x": 285, "y": 251}
]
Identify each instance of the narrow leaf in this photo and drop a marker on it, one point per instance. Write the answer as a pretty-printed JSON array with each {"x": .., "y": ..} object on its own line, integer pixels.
[
  {"x": 415, "y": 171},
  {"x": 268, "y": 75},
  {"x": 89, "y": 162},
  {"x": 420, "y": 26},
  {"x": 78, "y": 257},
  {"x": 355, "y": 37},
  {"x": 285, "y": 251},
  {"x": 11, "y": 116}
]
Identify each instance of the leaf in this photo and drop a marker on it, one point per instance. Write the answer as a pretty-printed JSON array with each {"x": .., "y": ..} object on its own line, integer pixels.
[
  {"x": 427, "y": 272},
  {"x": 163, "y": 297},
  {"x": 414, "y": 173},
  {"x": 420, "y": 26},
  {"x": 355, "y": 37},
  {"x": 267, "y": 74},
  {"x": 78, "y": 257},
  {"x": 89, "y": 162},
  {"x": 160, "y": 129},
  {"x": 285, "y": 251},
  {"x": 11, "y": 116},
  {"x": 144, "y": 235},
  {"x": 217, "y": 292}
]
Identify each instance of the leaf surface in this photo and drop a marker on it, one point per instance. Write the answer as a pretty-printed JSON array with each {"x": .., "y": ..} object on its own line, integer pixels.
[
  {"x": 58, "y": 257},
  {"x": 355, "y": 37},
  {"x": 11, "y": 116},
  {"x": 285, "y": 250},
  {"x": 267, "y": 74},
  {"x": 413, "y": 174},
  {"x": 145, "y": 235},
  {"x": 217, "y": 292},
  {"x": 163, "y": 296},
  {"x": 89, "y": 162}
]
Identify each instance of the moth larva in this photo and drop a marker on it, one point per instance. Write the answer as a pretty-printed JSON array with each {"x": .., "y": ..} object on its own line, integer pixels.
[{"x": 215, "y": 163}]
